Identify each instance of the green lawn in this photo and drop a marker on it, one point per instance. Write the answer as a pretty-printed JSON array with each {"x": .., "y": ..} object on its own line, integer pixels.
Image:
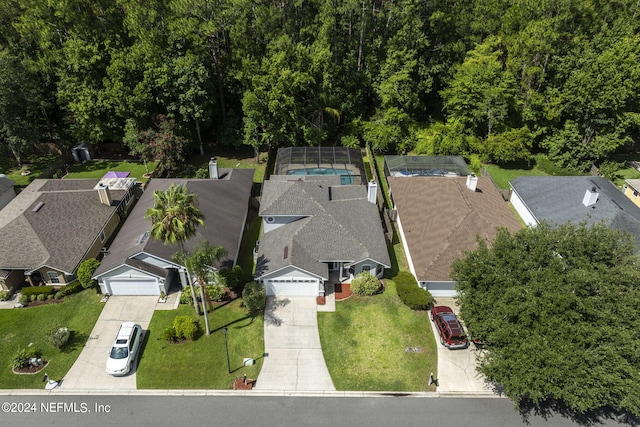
[
  {"x": 249, "y": 239},
  {"x": 503, "y": 174},
  {"x": 364, "y": 344},
  {"x": 20, "y": 327},
  {"x": 96, "y": 169},
  {"x": 228, "y": 158},
  {"x": 34, "y": 164},
  {"x": 201, "y": 364}
]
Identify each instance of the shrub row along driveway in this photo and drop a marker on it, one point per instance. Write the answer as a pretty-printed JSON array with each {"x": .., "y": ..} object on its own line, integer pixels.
[{"x": 88, "y": 372}]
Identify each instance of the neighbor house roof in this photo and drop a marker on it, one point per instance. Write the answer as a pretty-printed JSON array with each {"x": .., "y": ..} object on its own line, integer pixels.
[
  {"x": 338, "y": 224},
  {"x": 441, "y": 218},
  {"x": 223, "y": 203},
  {"x": 69, "y": 218},
  {"x": 5, "y": 184},
  {"x": 558, "y": 199}
]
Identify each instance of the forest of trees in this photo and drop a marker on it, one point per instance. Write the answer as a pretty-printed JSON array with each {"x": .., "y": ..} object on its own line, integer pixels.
[{"x": 495, "y": 79}]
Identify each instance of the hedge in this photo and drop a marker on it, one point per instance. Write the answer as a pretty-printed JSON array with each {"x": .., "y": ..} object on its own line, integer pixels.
[
  {"x": 412, "y": 295},
  {"x": 37, "y": 290}
]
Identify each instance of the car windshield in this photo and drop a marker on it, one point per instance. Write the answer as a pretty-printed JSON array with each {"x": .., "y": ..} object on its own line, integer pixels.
[{"x": 119, "y": 352}]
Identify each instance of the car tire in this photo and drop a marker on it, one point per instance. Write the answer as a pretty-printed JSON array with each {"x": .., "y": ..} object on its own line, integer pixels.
[
  {"x": 441, "y": 340},
  {"x": 431, "y": 316}
]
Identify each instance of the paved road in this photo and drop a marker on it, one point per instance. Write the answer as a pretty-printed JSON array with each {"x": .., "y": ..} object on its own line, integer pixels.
[{"x": 270, "y": 411}]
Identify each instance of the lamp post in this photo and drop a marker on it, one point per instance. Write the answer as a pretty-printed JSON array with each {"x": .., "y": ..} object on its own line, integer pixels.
[{"x": 226, "y": 345}]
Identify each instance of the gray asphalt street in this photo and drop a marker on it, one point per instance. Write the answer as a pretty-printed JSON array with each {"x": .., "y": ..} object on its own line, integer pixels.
[{"x": 64, "y": 410}]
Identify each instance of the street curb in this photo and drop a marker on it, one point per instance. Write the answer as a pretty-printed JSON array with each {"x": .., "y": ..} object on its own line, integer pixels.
[{"x": 253, "y": 393}]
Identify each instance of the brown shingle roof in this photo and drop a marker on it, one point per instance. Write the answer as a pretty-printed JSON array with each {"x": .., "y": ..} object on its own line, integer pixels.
[{"x": 441, "y": 218}]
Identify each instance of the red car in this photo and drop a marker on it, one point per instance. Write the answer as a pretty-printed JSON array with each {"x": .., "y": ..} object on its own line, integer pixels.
[{"x": 451, "y": 332}]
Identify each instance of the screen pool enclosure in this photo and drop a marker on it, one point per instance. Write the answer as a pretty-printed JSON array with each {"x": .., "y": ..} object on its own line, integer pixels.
[{"x": 322, "y": 161}]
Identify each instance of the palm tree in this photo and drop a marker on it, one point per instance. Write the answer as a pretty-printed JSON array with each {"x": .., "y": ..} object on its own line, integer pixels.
[
  {"x": 200, "y": 262},
  {"x": 175, "y": 218}
]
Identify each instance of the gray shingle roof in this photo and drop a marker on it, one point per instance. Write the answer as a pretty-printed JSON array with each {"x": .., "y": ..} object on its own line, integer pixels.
[
  {"x": 558, "y": 199},
  {"x": 5, "y": 184},
  {"x": 60, "y": 232},
  {"x": 441, "y": 218},
  {"x": 339, "y": 225},
  {"x": 223, "y": 202}
]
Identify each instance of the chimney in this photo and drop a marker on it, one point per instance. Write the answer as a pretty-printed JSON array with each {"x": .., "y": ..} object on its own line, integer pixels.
[
  {"x": 590, "y": 197},
  {"x": 372, "y": 191},
  {"x": 472, "y": 182},
  {"x": 103, "y": 192},
  {"x": 213, "y": 168}
]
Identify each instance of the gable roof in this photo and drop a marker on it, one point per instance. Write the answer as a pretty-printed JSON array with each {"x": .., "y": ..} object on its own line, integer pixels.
[
  {"x": 558, "y": 199},
  {"x": 338, "y": 224},
  {"x": 59, "y": 233},
  {"x": 5, "y": 184},
  {"x": 441, "y": 218},
  {"x": 223, "y": 203}
]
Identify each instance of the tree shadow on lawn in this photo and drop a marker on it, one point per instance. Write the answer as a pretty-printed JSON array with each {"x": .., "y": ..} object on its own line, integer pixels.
[
  {"x": 549, "y": 408},
  {"x": 76, "y": 341}
]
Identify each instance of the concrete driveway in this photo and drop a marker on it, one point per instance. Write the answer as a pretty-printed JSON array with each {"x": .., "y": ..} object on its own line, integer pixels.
[
  {"x": 88, "y": 372},
  {"x": 457, "y": 368},
  {"x": 294, "y": 359}
]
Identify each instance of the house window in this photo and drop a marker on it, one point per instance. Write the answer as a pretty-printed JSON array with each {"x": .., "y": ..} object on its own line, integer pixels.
[
  {"x": 102, "y": 237},
  {"x": 366, "y": 267},
  {"x": 53, "y": 277},
  {"x": 635, "y": 193}
]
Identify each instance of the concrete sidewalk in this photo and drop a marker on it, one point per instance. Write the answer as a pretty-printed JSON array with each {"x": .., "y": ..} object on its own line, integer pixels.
[
  {"x": 88, "y": 372},
  {"x": 294, "y": 359}
]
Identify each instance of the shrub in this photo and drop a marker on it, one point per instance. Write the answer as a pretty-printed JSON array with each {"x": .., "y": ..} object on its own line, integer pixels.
[
  {"x": 4, "y": 295},
  {"x": 169, "y": 334},
  {"x": 185, "y": 327},
  {"x": 24, "y": 299},
  {"x": 50, "y": 296},
  {"x": 365, "y": 284},
  {"x": 216, "y": 293},
  {"x": 185, "y": 296},
  {"x": 234, "y": 278},
  {"x": 412, "y": 295},
  {"x": 23, "y": 357},
  {"x": 33, "y": 297},
  {"x": 85, "y": 272},
  {"x": 37, "y": 290},
  {"x": 58, "y": 336},
  {"x": 72, "y": 288},
  {"x": 59, "y": 295},
  {"x": 254, "y": 296},
  {"x": 41, "y": 297}
]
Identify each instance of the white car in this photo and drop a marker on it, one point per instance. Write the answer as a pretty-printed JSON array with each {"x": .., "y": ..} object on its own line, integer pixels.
[{"x": 125, "y": 349}]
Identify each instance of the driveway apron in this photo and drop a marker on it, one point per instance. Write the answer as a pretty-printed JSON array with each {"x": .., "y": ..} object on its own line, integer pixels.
[
  {"x": 293, "y": 356},
  {"x": 88, "y": 372}
]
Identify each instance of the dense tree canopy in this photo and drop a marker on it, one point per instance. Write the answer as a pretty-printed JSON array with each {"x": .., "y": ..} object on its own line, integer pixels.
[
  {"x": 560, "y": 311},
  {"x": 501, "y": 79}
]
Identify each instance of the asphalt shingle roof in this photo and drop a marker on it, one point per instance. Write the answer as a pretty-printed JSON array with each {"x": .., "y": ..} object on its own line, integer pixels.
[
  {"x": 339, "y": 224},
  {"x": 58, "y": 235},
  {"x": 558, "y": 199},
  {"x": 223, "y": 202},
  {"x": 441, "y": 218}
]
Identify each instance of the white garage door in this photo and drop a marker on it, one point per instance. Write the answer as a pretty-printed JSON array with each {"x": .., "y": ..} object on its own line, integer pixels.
[
  {"x": 133, "y": 287},
  {"x": 292, "y": 288}
]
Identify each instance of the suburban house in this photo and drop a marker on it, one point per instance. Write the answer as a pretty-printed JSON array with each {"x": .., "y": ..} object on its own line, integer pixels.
[
  {"x": 320, "y": 223},
  {"x": 48, "y": 229},
  {"x": 7, "y": 192},
  {"x": 136, "y": 264},
  {"x": 440, "y": 213},
  {"x": 561, "y": 199},
  {"x": 631, "y": 189}
]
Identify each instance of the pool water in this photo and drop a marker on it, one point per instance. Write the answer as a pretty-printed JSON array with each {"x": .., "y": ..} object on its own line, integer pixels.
[{"x": 346, "y": 177}]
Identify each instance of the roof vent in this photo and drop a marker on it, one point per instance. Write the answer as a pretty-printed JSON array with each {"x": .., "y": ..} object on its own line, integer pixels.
[
  {"x": 286, "y": 252},
  {"x": 590, "y": 197},
  {"x": 38, "y": 206}
]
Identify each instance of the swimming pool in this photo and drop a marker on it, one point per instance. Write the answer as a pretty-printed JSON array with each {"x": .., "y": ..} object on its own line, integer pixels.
[{"x": 346, "y": 176}]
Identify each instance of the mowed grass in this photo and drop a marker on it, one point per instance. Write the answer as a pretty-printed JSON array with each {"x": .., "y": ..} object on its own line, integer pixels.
[
  {"x": 502, "y": 175},
  {"x": 243, "y": 158},
  {"x": 34, "y": 164},
  {"x": 20, "y": 327},
  {"x": 364, "y": 344},
  {"x": 95, "y": 169},
  {"x": 201, "y": 364}
]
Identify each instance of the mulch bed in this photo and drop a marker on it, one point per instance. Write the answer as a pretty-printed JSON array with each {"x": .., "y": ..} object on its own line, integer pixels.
[
  {"x": 45, "y": 302},
  {"x": 238, "y": 384},
  {"x": 342, "y": 291},
  {"x": 31, "y": 369}
]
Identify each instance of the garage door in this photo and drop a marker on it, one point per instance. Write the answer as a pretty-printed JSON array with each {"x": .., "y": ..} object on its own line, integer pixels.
[
  {"x": 133, "y": 287},
  {"x": 292, "y": 288}
]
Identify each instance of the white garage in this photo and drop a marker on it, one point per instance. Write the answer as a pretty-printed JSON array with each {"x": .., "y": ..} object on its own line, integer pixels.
[
  {"x": 146, "y": 286},
  {"x": 292, "y": 287}
]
